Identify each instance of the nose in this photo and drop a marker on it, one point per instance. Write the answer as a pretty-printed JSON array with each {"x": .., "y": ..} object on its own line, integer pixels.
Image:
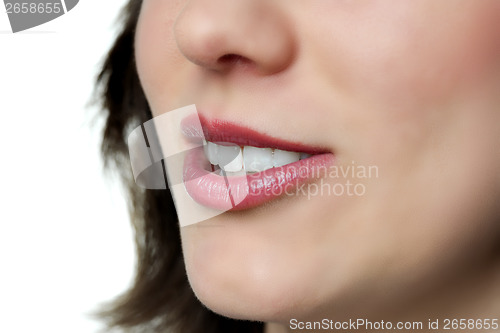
[{"x": 223, "y": 34}]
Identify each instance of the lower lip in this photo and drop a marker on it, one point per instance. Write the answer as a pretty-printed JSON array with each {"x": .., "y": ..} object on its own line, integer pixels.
[{"x": 245, "y": 192}]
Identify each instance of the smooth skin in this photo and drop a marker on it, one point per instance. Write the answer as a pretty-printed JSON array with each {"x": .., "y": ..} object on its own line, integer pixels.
[{"x": 411, "y": 87}]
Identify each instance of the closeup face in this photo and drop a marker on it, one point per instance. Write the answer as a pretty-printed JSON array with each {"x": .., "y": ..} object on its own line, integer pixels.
[{"x": 404, "y": 94}]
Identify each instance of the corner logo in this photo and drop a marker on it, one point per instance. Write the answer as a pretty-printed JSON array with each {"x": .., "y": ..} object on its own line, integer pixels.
[{"x": 26, "y": 14}]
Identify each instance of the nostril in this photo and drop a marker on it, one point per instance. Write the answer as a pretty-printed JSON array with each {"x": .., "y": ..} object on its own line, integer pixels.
[{"x": 232, "y": 59}]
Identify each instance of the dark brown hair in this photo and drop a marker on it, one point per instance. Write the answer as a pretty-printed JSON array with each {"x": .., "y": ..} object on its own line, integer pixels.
[{"x": 160, "y": 298}]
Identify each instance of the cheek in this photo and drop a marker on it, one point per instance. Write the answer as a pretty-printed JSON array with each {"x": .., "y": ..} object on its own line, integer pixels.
[
  {"x": 403, "y": 72},
  {"x": 402, "y": 54},
  {"x": 160, "y": 65},
  {"x": 433, "y": 68}
]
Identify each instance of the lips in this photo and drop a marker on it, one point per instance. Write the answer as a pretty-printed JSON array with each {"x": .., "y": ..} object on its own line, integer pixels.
[{"x": 242, "y": 190}]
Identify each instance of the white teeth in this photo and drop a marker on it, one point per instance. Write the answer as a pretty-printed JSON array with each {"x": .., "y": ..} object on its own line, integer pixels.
[
  {"x": 257, "y": 159},
  {"x": 283, "y": 157},
  {"x": 205, "y": 148},
  {"x": 211, "y": 153},
  {"x": 230, "y": 158},
  {"x": 233, "y": 159}
]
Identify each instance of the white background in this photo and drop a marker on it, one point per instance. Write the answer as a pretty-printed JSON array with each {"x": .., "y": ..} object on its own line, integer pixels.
[{"x": 65, "y": 240}]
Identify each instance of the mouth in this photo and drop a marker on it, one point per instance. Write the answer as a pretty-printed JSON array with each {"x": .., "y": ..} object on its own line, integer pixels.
[{"x": 240, "y": 168}]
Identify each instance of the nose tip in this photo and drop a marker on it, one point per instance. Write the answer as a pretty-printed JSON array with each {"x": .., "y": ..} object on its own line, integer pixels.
[{"x": 234, "y": 34}]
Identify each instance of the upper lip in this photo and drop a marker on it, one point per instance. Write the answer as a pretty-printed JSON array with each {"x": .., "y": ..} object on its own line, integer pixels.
[{"x": 218, "y": 130}]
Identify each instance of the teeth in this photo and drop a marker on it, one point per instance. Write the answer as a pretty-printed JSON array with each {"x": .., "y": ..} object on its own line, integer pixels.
[
  {"x": 283, "y": 157},
  {"x": 257, "y": 159},
  {"x": 232, "y": 158},
  {"x": 211, "y": 153}
]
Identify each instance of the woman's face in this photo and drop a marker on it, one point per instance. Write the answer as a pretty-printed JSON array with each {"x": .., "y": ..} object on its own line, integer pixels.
[{"x": 408, "y": 91}]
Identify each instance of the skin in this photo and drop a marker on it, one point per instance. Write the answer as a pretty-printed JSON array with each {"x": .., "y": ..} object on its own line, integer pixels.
[{"x": 411, "y": 87}]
